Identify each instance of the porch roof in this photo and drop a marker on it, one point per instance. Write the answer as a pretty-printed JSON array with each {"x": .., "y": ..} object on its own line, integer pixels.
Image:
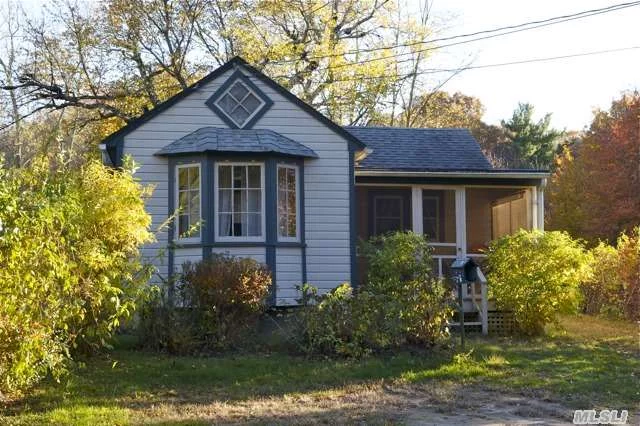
[{"x": 407, "y": 151}]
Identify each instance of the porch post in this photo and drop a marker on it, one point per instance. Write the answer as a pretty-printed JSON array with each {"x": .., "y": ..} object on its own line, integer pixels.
[
  {"x": 540, "y": 206},
  {"x": 461, "y": 222},
  {"x": 533, "y": 207},
  {"x": 416, "y": 210}
]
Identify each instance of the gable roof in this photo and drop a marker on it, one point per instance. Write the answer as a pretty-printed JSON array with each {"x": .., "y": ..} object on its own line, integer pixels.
[
  {"x": 116, "y": 137},
  {"x": 414, "y": 149},
  {"x": 215, "y": 139}
]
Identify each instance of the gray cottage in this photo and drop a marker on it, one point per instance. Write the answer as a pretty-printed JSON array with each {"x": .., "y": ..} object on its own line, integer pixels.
[{"x": 251, "y": 170}]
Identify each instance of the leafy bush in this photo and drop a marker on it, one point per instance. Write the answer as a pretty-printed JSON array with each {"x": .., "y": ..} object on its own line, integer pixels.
[
  {"x": 614, "y": 288},
  {"x": 70, "y": 268},
  {"x": 629, "y": 270},
  {"x": 537, "y": 275},
  {"x": 399, "y": 303},
  {"x": 601, "y": 292},
  {"x": 217, "y": 301}
]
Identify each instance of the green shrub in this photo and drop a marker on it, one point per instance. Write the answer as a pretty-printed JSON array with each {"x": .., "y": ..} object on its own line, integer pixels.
[
  {"x": 217, "y": 302},
  {"x": 226, "y": 295},
  {"x": 537, "y": 275},
  {"x": 70, "y": 270},
  {"x": 400, "y": 303},
  {"x": 601, "y": 292},
  {"x": 629, "y": 270},
  {"x": 614, "y": 288}
]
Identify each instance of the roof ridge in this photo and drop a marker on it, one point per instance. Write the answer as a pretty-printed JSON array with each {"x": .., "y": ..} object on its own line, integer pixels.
[{"x": 407, "y": 128}]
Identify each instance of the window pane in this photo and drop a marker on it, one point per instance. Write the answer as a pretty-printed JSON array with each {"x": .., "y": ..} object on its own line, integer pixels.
[
  {"x": 291, "y": 204},
  {"x": 227, "y": 104},
  {"x": 388, "y": 207},
  {"x": 239, "y": 200},
  {"x": 194, "y": 220},
  {"x": 194, "y": 202},
  {"x": 430, "y": 207},
  {"x": 254, "y": 224},
  {"x": 237, "y": 225},
  {"x": 183, "y": 201},
  {"x": 430, "y": 228},
  {"x": 287, "y": 202},
  {"x": 251, "y": 103},
  {"x": 254, "y": 176},
  {"x": 224, "y": 176},
  {"x": 224, "y": 198},
  {"x": 282, "y": 225},
  {"x": 291, "y": 179},
  {"x": 292, "y": 225},
  {"x": 194, "y": 177},
  {"x": 183, "y": 224},
  {"x": 282, "y": 201},
  {"x": 255, "y": 200},
  {"x": 183, "y": 178},
  {"x": 239, "y": 115},
  {"x": 239, "y": 176},
  {"x": 387, "y": 225},
  {"x": 282, "y": 178},
  {"x": 238, "y": 91},
  {"x": 224, "y": 225}
]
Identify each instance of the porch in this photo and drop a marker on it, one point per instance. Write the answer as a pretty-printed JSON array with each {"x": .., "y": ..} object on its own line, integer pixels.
[{"x": 459, "y": 221}]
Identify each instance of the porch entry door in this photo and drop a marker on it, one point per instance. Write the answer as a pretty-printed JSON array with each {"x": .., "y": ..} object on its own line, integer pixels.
[{"x": 389, "y": 210}]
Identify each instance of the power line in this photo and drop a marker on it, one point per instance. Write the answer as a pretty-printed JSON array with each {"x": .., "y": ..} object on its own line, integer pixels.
[
  {"x": 526, "y": 26},
  {"x": 495, "y": 65}
]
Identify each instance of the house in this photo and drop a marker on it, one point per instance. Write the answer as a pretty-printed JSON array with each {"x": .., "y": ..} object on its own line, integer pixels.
[{"x": 266, "y": 176}]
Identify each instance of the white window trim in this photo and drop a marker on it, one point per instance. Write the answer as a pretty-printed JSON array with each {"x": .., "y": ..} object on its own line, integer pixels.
[
  {"x": 177, "y": 203},
  {"x": 246, "y": 86},
  {"x": 375, "y": 210},
  {"x": 216, "y": 220},
  {"x": 297, "y": 171}
]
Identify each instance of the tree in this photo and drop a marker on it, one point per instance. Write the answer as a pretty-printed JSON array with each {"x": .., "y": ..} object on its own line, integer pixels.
[
  {"x": 71, "y": 267},
  {"x": 611, "y": 154},
  {"x": 440, "y": 109},
  {"x": 593, "y": 192},
  {"x": 535, "y": 142},
  {"x": 118, "y": 58},
  {"x": 566, "y": 205}
]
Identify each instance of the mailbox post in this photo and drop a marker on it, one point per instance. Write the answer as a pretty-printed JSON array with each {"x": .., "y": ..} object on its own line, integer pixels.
[{"x": 463, "y": 271}]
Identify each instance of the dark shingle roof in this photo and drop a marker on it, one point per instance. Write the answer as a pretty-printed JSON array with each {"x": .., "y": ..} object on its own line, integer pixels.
[
  {"x": 394, "y": 148},
  {"x": 236, "y": 140}
]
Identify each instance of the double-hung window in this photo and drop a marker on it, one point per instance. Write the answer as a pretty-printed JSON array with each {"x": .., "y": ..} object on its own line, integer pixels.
[
  {"x": 287, "y": 203},
  {"x": 188, "y": 200},
  {"x": 240, "y": 202}
]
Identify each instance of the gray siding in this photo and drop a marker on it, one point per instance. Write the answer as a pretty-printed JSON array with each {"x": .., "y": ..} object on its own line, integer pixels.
[
  {"x": 326, "y": 179},
  {"x": 257, "y": 253},
  {"x": 288, "y": 274},
  {"x": 182, "y": 255}
]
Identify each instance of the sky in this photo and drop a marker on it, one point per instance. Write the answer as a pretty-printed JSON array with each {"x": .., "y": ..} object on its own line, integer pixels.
[{"x": 569, "y": 89}]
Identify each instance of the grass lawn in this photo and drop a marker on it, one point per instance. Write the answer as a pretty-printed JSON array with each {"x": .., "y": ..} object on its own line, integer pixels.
[{"x": 591, "y": 363}]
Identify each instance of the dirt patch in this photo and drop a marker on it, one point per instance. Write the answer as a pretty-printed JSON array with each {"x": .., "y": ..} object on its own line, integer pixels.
[{"x": 376, "y": 404}]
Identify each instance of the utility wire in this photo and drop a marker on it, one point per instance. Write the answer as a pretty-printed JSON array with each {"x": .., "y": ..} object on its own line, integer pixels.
[
  {"x": 495, "y": 65},
  {"x": 502, "y": 31}
]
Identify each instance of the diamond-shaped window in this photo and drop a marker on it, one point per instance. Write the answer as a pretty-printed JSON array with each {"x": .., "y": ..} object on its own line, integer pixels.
[{"x": 240, "y": 102}]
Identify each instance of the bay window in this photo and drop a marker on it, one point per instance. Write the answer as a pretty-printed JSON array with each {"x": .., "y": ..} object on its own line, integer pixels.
[
  {"x": 287, "y": 203},
  {"x": 239, "y": 202},
  {"x": 188, "y": 201}
]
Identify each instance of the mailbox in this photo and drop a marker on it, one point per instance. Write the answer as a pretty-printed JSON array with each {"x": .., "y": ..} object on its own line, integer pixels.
[{"x": 464, "y": 270}]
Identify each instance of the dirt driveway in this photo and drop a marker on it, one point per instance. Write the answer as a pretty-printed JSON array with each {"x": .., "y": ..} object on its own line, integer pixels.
[{"x": 379, "y": 404}]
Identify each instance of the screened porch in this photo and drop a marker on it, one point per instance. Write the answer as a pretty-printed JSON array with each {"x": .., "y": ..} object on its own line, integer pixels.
[{"x": 458, "y": 221}]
